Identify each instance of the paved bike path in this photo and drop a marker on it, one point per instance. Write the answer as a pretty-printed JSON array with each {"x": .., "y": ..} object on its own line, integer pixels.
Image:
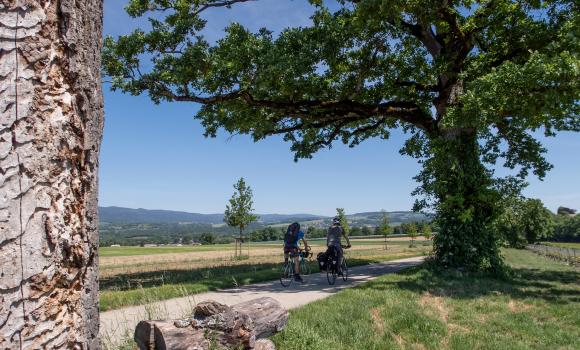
[{"x": 117, "y": 323}]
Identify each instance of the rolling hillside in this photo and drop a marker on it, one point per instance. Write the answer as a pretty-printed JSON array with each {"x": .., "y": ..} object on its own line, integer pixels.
[
  {"x": 137, "y": 226},
  {"x": 119, "y": 215}
]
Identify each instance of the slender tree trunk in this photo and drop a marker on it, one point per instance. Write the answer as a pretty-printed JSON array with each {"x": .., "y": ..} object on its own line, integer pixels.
[
  {"x": 51, "y": 119},
  {"x": 467, "y": 203}
]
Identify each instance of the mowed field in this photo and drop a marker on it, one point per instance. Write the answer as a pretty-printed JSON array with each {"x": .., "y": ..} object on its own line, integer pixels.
[
  {"x": 535, "y": 306},
  {"x": 138, "y": 275}
]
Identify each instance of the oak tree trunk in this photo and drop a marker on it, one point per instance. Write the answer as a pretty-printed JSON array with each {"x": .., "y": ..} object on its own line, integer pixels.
[
  {"x": 467, "y": 203},
  {"x": 51, "y": 119}
]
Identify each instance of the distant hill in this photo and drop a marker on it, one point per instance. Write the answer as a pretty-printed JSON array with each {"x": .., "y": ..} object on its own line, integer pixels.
[
  {"x": 395, "y": 217},
  {"x": 119, "y": 215},
  {"x": 128, "y": 226},
  {"x": 373, "y": 219}
]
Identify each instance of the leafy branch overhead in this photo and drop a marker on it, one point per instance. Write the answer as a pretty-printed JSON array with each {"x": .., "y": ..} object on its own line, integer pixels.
[{"x": 501, "y": 67}]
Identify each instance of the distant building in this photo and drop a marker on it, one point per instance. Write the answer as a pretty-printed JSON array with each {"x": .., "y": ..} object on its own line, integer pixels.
[
  {"x": 150, "y": 245},
  {"x": 115, "y": 245}
]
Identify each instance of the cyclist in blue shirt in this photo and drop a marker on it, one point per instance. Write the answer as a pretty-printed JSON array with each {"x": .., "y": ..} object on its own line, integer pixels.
[{"x": 291, "y": 249}]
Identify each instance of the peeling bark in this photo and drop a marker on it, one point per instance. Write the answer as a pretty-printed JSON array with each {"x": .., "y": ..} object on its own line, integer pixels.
[{"x": 51, "y": 119}]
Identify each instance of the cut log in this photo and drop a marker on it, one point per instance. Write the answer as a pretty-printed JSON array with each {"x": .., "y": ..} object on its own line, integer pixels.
[
  {"x": 169, "y": 337},
  {"x": 144, "y": 334},
  {"x": 209, "y": 308},
  {"x": 264, "y": 344},
  {"x": 215, "y": 325},
  {"x": 268, "y": 315}
]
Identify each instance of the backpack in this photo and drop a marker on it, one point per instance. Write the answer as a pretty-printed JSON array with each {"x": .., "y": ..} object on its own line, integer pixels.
[{"x": 291, "y": 234}]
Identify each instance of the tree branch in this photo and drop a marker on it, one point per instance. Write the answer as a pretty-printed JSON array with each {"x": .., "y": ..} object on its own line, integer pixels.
[
  {"x": 424, "y": 35},
  {"x": 227, "y": 3},
  {"x": 418, "y": 86},
  {"x": 316, "y": 110}
]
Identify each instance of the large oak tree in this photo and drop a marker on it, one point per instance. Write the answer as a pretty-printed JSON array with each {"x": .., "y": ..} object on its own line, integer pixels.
[
  {"x": 470, "y": 82},
  {"x": 51, "y": 118}
]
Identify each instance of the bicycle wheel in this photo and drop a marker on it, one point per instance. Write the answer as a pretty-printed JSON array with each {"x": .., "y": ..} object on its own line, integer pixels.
[
  {"x": 287, "y": 275},
  {"x": 330, "y": 272},
  {"x": 304, "y": 267},
  {"x": 344, "y": 268}
]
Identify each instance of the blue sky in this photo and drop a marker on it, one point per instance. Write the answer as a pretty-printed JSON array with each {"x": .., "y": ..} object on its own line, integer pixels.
[{"x": 155, "y": 156}]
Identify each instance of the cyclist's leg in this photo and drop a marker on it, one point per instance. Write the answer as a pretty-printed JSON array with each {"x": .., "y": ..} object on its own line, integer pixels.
[
  {"x": 296, "y": 262},
  {"x": 340, "y": 257}
]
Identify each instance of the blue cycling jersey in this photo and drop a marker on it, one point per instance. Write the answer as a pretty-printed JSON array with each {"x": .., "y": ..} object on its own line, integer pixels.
[{"x": 299, "y": 236}]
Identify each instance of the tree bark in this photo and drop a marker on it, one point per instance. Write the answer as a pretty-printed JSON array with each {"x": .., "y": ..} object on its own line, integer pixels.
[{"x": 51, "y": 111}]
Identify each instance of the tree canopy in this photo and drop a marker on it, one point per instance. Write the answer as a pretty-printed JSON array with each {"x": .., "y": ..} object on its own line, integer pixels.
[
  {"x": 501, "y": 67},
  {"x": 523, "y": 221},
  {"x": 470, "y": 82}
]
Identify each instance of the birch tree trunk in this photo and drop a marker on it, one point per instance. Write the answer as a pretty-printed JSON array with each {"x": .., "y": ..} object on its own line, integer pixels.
[{"x": 51, "y": 119}]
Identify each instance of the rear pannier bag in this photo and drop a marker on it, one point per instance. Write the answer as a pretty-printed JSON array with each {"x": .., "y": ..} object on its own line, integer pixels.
[
  {"x": 322, "y": 259},
  {"x": 331, "y": 257}
]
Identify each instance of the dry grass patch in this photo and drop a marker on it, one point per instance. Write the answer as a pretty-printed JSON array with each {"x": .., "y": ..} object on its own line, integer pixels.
[
  {"x": 518, "y": 306},
  {"x": 434, "y": 305},
  {"x": 378, "y": 322}
]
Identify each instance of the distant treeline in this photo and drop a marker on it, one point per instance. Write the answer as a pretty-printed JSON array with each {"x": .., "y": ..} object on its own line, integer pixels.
[
  {"x": 140, "y": 234},
  {"x": 527, "y": 221},
  {"x": 566, "y": 228},
  {"x": 162, "y": 233}
]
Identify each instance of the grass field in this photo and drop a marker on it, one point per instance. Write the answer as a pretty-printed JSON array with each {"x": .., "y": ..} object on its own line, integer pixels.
[
  {"x": 147, "y": 274},
  {"x": 537, "y": 307},
  {"x": 105, "y": 252},
  {"x": 563, "y": 245}
]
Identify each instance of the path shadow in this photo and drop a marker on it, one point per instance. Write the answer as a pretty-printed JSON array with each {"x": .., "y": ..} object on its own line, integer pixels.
[
  {"x": 251, "y": 277},
  {"x": 555, "y": 286},
  {"x": 317, "y": 281}
]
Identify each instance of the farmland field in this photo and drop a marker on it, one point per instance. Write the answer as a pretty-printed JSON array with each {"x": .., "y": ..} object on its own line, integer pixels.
[{"x": 137, "y": 275}]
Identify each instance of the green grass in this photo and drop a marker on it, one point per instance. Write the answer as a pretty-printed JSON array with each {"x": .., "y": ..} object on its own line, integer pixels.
[
  {"x": 141, "y": 288},
  {"x": 563, "y": 245},
  {"x": 135, "y": 250},
  {"x": 116, "y": 293},
  {"x": 537, "y": 307}
]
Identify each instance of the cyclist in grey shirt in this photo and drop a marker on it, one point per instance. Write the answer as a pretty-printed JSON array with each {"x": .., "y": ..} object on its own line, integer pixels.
[{"x": 333, "y": 238}]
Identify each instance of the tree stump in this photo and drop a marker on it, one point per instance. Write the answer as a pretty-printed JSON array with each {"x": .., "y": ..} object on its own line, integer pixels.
[{"x": 216, "y": 325}]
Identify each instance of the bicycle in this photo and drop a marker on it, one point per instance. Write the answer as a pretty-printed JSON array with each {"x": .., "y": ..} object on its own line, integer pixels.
[
  {"x": 288, "y": 269},
  {"x": 333, "y": 269}
]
